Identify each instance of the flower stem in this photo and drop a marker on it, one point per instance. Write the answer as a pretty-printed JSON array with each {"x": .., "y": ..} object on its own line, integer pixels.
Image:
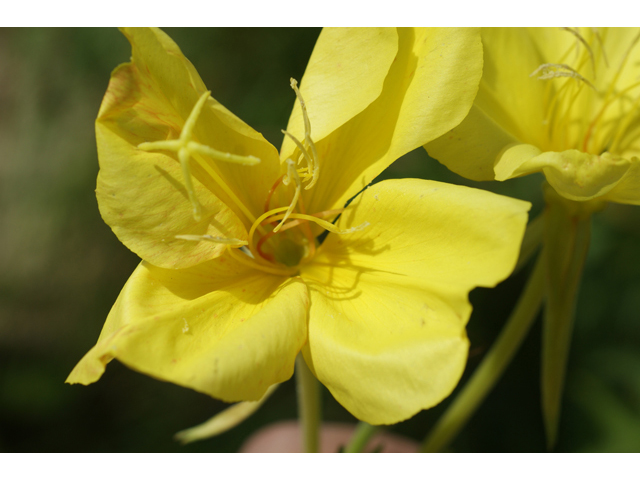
[
  {"x": 493, "y": 365},
  {"x": 360, "y": 438},
  {"x": 567, "y": 236},
  {"x": 308, "y": 406}
]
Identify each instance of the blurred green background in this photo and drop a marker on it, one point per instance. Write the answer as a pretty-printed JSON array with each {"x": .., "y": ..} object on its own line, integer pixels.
[{"x": 61, "y": 268}]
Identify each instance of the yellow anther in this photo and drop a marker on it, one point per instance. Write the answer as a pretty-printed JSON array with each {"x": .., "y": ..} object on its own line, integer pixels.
[
  {"x": 185, "y": 147},
  {"x": 314, "y": 166},
  {"x": 210, "y": 238},
  {"x": 554, "y": 70},
  {"x": 292, "y": 176},
  {"x": 305, "y": 154}
]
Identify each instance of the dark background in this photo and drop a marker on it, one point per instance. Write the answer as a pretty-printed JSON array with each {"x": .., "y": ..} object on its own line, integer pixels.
[{"x": 61, "y": 268}]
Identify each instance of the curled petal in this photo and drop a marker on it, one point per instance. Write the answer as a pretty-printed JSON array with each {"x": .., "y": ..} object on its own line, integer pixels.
[{"x": 573, "y": 174}]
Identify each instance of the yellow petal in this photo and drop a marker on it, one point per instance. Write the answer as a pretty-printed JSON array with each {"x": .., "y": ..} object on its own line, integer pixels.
[
  {"x": 345, "y": 74},
  {"x": 471, "y": 148},
  {"x": 508, "y": 108},
  {"x": 389, "y": 302},
  {"x": 149, "y": 100},
  {"x": 142, "y": 197},
  {"x": 427, "y": 91},
  {"x": 219, "y": 328}
]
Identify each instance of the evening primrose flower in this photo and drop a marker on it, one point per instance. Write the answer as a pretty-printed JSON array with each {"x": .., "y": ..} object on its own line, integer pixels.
[
  {"x": 560, "y": 101},
  {"x": 234, "y": 282},
  {"x": 563, "y": 102}
]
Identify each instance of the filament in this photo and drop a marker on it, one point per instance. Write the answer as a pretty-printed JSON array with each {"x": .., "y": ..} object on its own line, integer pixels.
[{"x": 210, "y": 238}]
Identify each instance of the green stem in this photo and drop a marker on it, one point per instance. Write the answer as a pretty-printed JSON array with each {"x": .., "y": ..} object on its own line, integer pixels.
[
  {"x": 361, "y": 437},
  {"x": 493, "y": 364},
  {"x": 308, "y": 406}
]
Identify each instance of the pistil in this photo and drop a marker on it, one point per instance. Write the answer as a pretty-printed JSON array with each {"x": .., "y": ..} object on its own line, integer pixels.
[{"x": 186, "y": 148}]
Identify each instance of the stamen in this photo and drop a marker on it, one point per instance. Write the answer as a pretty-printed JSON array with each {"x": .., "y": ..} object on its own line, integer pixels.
[
  {"x": 576, "y": 34},
  {"x": 266, "y": 256},
  {"x": 607, "y": 100},
  {"x": 186, "y": 148},
  {"x": 622, "y": 124},
  {"x": 323, "y": 223},
  {"x": 596, "y": 33},
  {"x": 292, "y": 175},
  {"x": 211, "y": 238},
  {"x": 305, "y": 154},
  {"x": 258, "y": 224},
  {"x": 306, "y": 228},
  {"x": 267, "y": 203},
  {"x": 554, "y": 70},
  {"x": 223, "y": 185},
  {"x": 307, "y": 136}
]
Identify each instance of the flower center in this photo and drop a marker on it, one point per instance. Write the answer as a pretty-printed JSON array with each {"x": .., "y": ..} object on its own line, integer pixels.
[
  {"x": 291, "y": 240},
  {"x": 284, "y": 236},
  {"x": 589, "y": 110}
]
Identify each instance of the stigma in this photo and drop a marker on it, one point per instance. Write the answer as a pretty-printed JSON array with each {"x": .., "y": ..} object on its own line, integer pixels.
[{"x": 187, "y": 148}]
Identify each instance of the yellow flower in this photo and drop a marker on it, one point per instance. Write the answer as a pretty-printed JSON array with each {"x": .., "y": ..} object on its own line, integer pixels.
[
  {"x": 561, "y": 101},
  {"x": 234, "y": 282}
]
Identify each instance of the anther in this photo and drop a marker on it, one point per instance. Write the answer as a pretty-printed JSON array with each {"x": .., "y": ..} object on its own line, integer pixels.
[
  {"x": 554, "y": 70},
  {"x": 305, "y": 154},
  {"x": 292, "y": 175},
  {"x": 315, "y": 171}
]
